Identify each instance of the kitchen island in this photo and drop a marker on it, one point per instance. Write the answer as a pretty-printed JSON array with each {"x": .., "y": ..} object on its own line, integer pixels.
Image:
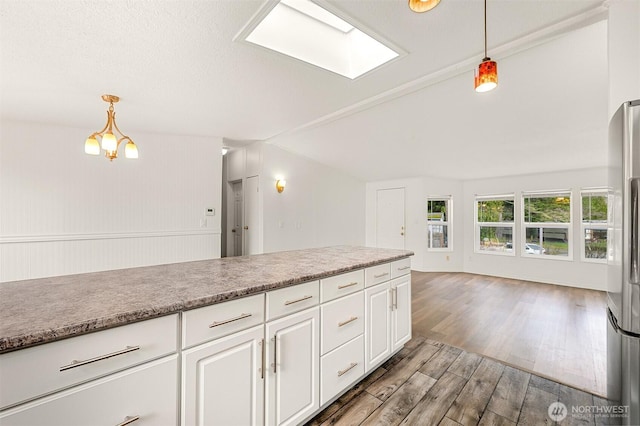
[{"x": 253, "y": 338}]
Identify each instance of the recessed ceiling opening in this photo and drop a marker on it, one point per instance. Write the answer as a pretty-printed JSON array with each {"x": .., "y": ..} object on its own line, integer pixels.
[{"x": 305, "y": 31}]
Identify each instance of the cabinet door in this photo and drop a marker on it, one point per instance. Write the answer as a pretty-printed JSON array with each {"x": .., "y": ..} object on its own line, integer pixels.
[
  {"x": 144, "y": 395},
  {"x": 293, "y": 358},
  {"x": 401, "y": 312},
  {"x": 222, "y": 381},
  {"x": 377, "y": 325}
]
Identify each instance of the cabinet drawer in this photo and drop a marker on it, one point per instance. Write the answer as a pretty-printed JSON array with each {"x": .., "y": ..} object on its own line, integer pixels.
[
  {"x": 292, "y": 299},
  {"x": 377, "y": 274},
  {"x": 148, "y": 392},
  {"x": 341, "y": 368},
  {"x": 400, "y": 267},
  {"x": 32, "y": 372},
  {"x": 341, "y": 321},
  {"x": 341, "y": 285},
  {"x": 211, "y": 322}
]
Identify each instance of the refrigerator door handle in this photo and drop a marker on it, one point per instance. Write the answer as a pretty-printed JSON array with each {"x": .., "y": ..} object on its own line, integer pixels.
[
  {"x": 634, "y": 273},
  {"x": 616, "y": 327}
]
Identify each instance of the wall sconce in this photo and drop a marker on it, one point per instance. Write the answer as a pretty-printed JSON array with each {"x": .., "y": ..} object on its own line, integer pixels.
[
  {"x": 280, "y": 184},
  {"x": 110, "y": 143},
  {"x": 225, "y": 150}
]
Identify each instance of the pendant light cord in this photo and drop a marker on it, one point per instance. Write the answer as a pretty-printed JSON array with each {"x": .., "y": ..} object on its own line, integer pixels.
[{"x": 485, "y": 29}]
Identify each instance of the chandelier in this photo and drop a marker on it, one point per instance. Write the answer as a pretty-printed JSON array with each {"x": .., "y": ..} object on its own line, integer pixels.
[{"x": 108, "y": 140}]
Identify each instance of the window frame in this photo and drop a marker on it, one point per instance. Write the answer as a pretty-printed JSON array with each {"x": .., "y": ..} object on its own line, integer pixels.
[
  {"x": 589, "y": 225},
  {"x": 553, "y": 225},
  {"x": 478, "y": 224},
  {"x": 448, "y": 223}
]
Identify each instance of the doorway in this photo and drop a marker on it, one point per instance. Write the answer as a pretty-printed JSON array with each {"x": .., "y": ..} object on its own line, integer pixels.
[
  {"x": 390, "y": 227},
  {"x": 251, "y": 216},
  {"x": 236, "y": 215}
]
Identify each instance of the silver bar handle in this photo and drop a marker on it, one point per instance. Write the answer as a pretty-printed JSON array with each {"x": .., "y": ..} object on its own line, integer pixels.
[
  {"x": 275, "y": 353},
  {"x": 381, "y": 275},
  {"x": 128, "y": 420},
  {"x": 404, "y": 268},
  {"x": 219, "y": 323},
  {"x": 343, "y": 372},
  {"x": 340, "y": 287},
  {"x": 76, "y": 363},
  {"x": 634, "y": 273},
  {"x": 395, "y": 298},
  {"x": 352, "y": 319},
  {"x": 263, "y": 360},
  {"x": 291, "y": 302}
]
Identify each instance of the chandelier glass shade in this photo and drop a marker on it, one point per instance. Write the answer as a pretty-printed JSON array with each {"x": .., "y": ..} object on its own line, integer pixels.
[{"x": 420, "y": 6}]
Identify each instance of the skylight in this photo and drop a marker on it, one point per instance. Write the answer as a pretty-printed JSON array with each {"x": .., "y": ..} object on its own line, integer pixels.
[{"x": 305, "y": 31}]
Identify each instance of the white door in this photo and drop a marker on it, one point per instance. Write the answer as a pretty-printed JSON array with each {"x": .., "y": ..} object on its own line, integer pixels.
[
  {"x": 292, "y": 386},
  {"x": 251, "y": 236},
  {"x": 401, "y": 312},
  {"x": 377, "y": 325},
  {"x": 236, "y": 230},
  {"x": 390, "y": 228},
  {"x": 223, "y": 382}
]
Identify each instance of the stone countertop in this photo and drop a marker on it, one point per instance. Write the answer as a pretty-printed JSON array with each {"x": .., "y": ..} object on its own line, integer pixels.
[{"x": 49, "y": 309}]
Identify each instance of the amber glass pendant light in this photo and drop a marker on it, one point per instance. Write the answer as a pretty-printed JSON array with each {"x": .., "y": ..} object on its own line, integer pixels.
[
  {"x": 422, "y": 5},
  {"x": 486, "y": 75}
]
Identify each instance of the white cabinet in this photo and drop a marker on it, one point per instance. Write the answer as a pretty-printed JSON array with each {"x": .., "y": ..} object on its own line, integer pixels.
[
  {"x": 377, "y": 325},
  {"x": 341, "y": 321},
  {"x": 400, "y": 312},
  {"x": 222, "y": 381},
  {"x": 388, "y": 319},
  {"x": 67, "y": 362},
  {"x": 340, "y": 368},
  {"x": 274, "y": 358},
  {"x": 147, "y": 393},
  {"x": 293, "y": 356}
]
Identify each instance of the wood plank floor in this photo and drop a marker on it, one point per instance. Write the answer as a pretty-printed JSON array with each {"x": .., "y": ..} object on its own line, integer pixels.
[
  {"x": 483, "y": 351},
  {"x": 553, "y": 331},
  {"x": 431, "y": 383}
]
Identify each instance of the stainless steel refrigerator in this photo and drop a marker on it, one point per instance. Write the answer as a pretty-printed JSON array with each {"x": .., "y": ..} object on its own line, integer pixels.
[{"x": 623, "y": 261}]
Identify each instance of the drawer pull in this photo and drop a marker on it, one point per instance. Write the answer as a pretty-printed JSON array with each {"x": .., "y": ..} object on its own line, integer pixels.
[
  {"x": 291, "y": 302},
  {"x": 217, "y": 323},
  {"x": 381, "y": 275},
  {"x": 340, "y": 287},
  {"x": 404, "y": 268},
  {"x": 352, "y": 319},
  {"x": 76, "y": 363},
  {"x": 343, "y": 372},
  {"x": 128, "y": 420}
]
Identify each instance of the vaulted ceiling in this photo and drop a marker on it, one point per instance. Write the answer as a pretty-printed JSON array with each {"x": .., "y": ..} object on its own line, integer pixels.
[{"x": 178, "y": 70}]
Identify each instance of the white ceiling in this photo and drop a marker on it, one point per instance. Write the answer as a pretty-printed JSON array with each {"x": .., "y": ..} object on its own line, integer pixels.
[{"x": 177, "y": 70}]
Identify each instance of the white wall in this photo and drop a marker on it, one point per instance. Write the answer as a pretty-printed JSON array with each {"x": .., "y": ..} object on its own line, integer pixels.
[
  {"x": 624, "y": 52},
  {"x": 574, "y": 273},
  {"x": 416, "y": 192},
  {"x": 320, "y": 206},
  {"x": 65, "y": 212}
]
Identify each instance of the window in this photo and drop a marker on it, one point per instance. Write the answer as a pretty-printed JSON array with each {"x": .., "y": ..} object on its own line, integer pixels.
[
  {"x": 494, "y": 224},
  {"x": 439, "y": 223},
  {"x": 594, "y": 225},
  {"x": 547, "y": 224}
]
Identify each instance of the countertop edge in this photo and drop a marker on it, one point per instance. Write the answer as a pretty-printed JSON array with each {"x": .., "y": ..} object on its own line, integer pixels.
[{"x": 38, "y": 337}]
